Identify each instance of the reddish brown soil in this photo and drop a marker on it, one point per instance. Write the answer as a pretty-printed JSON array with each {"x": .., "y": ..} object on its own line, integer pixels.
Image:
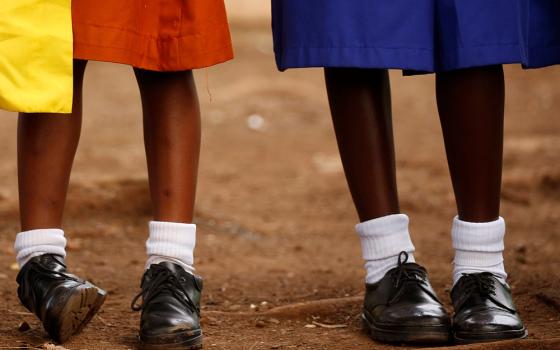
[{"x": 275, "y": 217}]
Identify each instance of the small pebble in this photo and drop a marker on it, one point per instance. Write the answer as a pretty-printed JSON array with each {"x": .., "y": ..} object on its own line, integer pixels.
[
  {"x": 234, "y": 307},
  {"x": 255, "y": 122},
  {"x": 24, "y": 327}
]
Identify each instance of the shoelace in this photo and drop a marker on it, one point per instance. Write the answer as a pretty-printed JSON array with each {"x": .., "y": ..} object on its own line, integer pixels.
[
  {"x": 479, "y": 282},
  {"x": 38, "y": 268},
  {"x": 408, "y": 272},
  {"x": 163, "y": 280}
]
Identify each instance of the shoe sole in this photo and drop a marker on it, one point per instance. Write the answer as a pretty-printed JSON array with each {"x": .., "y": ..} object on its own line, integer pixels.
[
  {"x": 188, "y": 340},
  {"x": 417, "y": 335},
  {"x": 76, "y": 313},
  {"x": 473, "y": 338}
]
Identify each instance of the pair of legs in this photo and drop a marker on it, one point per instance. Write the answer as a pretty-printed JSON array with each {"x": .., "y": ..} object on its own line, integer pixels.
[
  {"x": 47, "y": 144},
  {"x": 170, "y": 291},
  {"x": 399, "y": 304},
  {"x": 471, "y": 108}
]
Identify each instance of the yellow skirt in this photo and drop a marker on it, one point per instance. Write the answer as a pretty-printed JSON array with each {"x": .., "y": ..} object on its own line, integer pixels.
[{"x": 36, "y": 56}]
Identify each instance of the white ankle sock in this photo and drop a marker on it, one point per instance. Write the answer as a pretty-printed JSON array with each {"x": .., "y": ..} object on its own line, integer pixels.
[
  {"x": 173, "y": 242},
  {"x": 382, "y": 240},
  {"x": 478, "y": 248},
  {"x": 30, "y": 244}
]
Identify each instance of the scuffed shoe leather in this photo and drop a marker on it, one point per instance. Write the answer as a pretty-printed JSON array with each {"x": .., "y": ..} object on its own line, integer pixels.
[
  {"x": 170, "y": 308},
  {"x": 63, "y": 302}
]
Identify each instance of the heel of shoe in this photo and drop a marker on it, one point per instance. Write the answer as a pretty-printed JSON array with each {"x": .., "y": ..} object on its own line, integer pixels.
[{"x": 75, "y": 314}]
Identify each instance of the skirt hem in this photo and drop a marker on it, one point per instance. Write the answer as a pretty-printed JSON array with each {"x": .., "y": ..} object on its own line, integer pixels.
[
  {"x": 408, "y": 59},
  {"x": 538, "y": 57},
  {"x": 198, "y": 50},
  {"x": 122, "y": 56}
]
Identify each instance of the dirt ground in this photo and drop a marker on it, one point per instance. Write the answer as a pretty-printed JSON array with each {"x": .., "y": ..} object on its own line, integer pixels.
[{"x": 276, "y": 246}]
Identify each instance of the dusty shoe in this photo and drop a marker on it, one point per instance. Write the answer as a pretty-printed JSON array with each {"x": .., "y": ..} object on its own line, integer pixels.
[
  {"x": 403, "y": 308},
  {"x": 170, "y": 308},
  {"x": 484, "y": 310},
  {"x": 63, "y": 302}
]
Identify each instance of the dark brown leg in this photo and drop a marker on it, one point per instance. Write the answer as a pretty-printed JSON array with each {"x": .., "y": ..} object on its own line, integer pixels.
[
  {"x": 172, "y": 141},
  {"x": 46, "y": 147},
  {"x": 471, "y": 108},
  {"x": 360, "y": 101}
]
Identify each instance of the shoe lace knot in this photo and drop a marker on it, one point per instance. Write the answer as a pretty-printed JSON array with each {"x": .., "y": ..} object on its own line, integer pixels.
[
  {"x": 407, "y": 272},
  {"x": 38, "y": 270},
  {"x": 163, "y": 280},
  {"x": 482, "y": 283}
]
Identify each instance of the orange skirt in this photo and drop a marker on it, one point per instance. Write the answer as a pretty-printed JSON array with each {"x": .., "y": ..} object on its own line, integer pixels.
[{"x": 160, "y": 35}]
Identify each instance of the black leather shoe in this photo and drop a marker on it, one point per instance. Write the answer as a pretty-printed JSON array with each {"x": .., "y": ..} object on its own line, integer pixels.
[
  {"x": 484, "y": 310},
  {"x": 63, "y": 302},
  {"x": 170, "y": 308},
  {"x": 403, "y": 308}
]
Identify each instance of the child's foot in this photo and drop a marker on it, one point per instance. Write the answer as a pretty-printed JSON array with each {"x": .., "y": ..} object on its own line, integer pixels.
[
  {"x": 170, "y": 308},
  {"x": 63, "y": 302},
  {"x": 403, "y": 308},
  {"x": 484, "y": 310}
]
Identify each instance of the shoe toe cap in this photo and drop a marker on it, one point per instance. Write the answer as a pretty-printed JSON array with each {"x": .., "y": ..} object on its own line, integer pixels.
[
  {"x": 415, "y": 315},
  {"x": 167, "y": 320},
  {"x": 488, "y": 321}
]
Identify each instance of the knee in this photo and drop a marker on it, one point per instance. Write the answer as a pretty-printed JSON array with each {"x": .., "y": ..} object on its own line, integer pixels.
[
  {"x": 154, "y": 76},
  {"x": 356, "y": 74}
]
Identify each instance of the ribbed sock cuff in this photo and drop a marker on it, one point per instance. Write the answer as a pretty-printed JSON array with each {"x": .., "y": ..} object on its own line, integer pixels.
[
  {"x": 172, "y": 240},
  {"x": 478, "y": 244},
  {"x": 478, "y": 248},
  {"x": 32, "y": 243},
  {"x": 478, "y": 236},
  {"x": 385, "y": 237}
]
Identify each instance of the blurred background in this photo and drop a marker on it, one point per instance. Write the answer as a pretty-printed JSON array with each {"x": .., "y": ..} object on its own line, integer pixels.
[
  {"x": 248, "y": 11},
  {"x": 277, "y": 248}
]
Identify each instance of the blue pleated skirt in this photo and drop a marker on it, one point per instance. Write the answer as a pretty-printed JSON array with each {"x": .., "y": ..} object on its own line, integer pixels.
[{"x": 417, "y": 35}]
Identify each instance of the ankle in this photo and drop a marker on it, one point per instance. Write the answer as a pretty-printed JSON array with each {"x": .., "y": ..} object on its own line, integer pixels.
[
  {"x": 382, "y": 240},
  {"x": 172, "y": 242},
  {"x": 30, "y": 244},
  {"x": 478, "y": 248}
]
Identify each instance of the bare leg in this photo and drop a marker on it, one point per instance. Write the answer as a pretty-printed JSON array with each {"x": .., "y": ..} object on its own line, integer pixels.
[
  {"x": 471, "y": 108},
  {"x": 360, "y": 102},
  {"x": 361, "y": 110},
  {"x": 172, "y": 141},
  {"x": 471, "y": 105},
  {"x": 46, "y": 147}
]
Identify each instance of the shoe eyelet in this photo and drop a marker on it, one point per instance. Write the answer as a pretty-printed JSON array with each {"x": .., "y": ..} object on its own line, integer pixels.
[{"x": 182, "y": 280}]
